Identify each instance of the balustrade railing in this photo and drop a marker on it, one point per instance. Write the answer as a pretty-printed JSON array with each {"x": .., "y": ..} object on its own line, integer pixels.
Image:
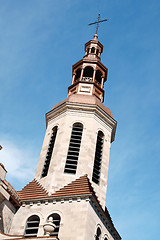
[
  {"x": 97, "y": 83},
  {"x": 87, "y": 79}
]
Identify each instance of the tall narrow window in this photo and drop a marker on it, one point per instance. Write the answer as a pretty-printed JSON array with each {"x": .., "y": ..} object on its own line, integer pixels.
[
  {"x": 98, "y": 234},
  {"x": 32, "y": 226},
  {"x": 56, "y": 220},
  {"x": 98, "y": 158},
  {"x": 49, "y": 152},
  {"x": 74, "y": 147}
]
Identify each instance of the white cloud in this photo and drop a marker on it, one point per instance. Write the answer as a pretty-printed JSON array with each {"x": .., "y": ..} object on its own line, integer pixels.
[{"x": 18, "y": 161}]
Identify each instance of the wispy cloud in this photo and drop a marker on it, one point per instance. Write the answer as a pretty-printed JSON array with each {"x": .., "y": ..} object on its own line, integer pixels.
[{"x": 18, "y": 162}]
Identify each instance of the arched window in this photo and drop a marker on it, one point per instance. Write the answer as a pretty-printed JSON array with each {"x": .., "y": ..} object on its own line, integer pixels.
[
  {"x": 98, "y": 76},
  {"x": 92, "y": 50},
  {"x": 98, "y": 157},
  {"x": 87, "y": 50},
  {"x": 78, "y": 74},
  {"x": 56, "y": 220},
  {"x": 98, "y": 234},
  {"x": 74, "y": 147},
  {"x": 88, "y": 72},
  {"x": 49, "y": 152},
  {"x": 32, "y": 226}
]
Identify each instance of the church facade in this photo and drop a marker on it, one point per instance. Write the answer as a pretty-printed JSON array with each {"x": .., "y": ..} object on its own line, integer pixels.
[{"x": 66, "y": 199}]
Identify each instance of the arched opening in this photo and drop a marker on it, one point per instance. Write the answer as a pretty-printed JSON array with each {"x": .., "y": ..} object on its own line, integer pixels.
[
  {"x": 93, "y": 50},
  {"x": 98, "y": 158},
  {"x": 97, "y": 51},
  {"x": 87, "y": 50},
  {"x": 88, "y": 72},
  {"x": 98, "y": 76},
  {"x": 78, "y": 74},
  {"x": 98, "y": 234},
  {"x": 56, "y": 220},
  {"x": 74, "y": 148},
  {"x": 32, "y": 226},
  {"x": 49, "y": 152}
]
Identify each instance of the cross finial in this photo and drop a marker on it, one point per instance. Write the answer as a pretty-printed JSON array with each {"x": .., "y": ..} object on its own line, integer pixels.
[{"x": 97, "y": 23}]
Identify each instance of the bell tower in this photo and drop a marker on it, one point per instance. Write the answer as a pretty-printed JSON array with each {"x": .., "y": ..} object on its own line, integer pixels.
[
  {"x": 89, "y": 74},
  {"x": 80, "y": 129}
]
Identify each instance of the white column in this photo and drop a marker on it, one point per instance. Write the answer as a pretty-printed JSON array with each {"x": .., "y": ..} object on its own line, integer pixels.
[
  {"x": 94, "y": 74},
  {"x": 81, "y": 74},
  {"x": 73, "y": 78},
  {"x": 102, "y": 82}
]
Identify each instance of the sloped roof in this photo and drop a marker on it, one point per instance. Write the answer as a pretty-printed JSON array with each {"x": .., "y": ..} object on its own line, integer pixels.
[
  {"x": 85, "y": 99},
  {"x": 76, "y": 187},
  {"x": 33, "y": 190}
]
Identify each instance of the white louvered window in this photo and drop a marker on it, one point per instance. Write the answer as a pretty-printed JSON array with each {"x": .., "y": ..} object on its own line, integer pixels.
[
  {"x": 49, "y": 152},
  {"x": 56, "y": 220},
  {"x": 32, "y": 226},
  {"x": 98, "y": 158},
  {"x": 74, "y": 148}
]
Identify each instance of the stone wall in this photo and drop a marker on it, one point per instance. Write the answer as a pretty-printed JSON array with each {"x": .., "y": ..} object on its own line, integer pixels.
[
  {"x": 92, "y": 123},
  {"x": 79, "y": 220}
]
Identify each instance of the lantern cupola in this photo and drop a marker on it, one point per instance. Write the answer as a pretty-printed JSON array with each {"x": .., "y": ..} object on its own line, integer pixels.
[{"x": 89, "y": 74}]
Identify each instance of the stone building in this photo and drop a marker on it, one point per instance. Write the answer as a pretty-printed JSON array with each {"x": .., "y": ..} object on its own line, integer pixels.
[{"x": 66, "y": 199}]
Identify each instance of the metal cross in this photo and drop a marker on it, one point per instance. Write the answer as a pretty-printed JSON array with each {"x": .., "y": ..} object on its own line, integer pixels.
[{"x": 97, "y": 22}]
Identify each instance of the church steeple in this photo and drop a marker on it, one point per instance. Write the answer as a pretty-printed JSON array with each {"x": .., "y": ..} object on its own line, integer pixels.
[
  {"x": 89, "y": 74},
  {"x": 66, "y": 199},
  {"x": 80, "y": 129}
]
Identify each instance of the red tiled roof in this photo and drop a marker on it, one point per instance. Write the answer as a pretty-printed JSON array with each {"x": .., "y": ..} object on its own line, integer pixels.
[
  {"x": 33, "y": 190},
  {"x": 79, "y": 186}
]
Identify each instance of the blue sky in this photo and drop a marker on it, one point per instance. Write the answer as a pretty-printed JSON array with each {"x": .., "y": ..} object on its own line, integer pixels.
[{"x": 39, "y": 42}]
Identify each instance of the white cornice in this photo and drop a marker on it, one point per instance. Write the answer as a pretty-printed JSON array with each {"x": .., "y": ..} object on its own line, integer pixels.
[{"x": 84, "y": 108}]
